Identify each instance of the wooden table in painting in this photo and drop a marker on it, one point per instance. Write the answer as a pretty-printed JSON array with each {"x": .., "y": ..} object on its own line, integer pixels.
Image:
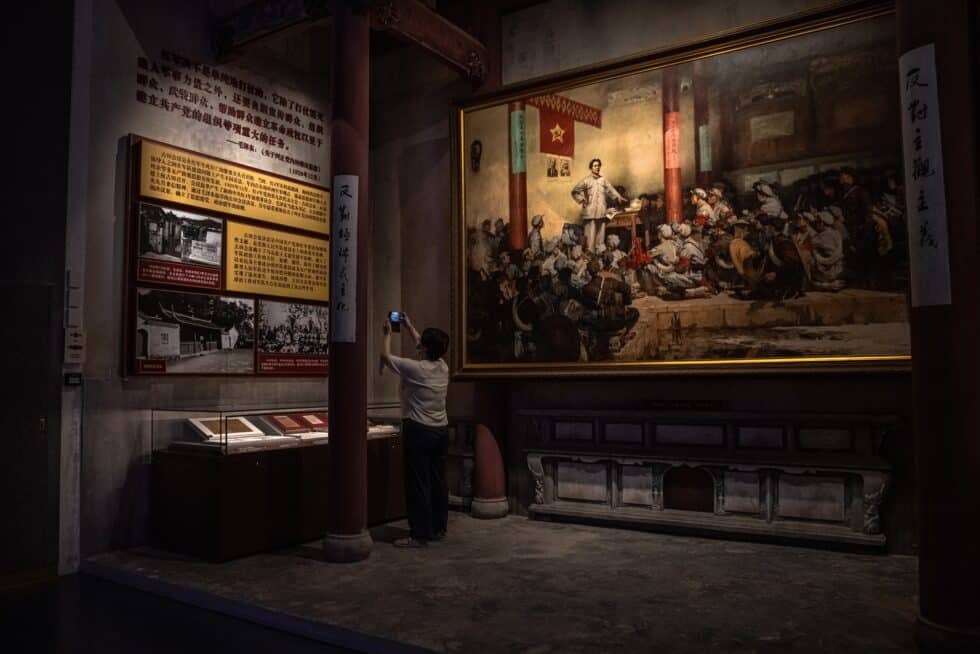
[{"x": 628, "y": 218}]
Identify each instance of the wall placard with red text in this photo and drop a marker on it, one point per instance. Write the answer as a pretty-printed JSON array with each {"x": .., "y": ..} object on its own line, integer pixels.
[{"x": 227, "y": 268}]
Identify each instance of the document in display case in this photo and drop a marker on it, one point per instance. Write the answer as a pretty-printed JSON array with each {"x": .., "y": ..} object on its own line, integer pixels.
[
  {"x": 304, "y": 426},
  {"x": 228, "y": 430}
]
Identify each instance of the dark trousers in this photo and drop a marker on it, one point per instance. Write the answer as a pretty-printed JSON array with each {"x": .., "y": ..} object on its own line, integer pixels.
[{"x": 426, "y": 493}]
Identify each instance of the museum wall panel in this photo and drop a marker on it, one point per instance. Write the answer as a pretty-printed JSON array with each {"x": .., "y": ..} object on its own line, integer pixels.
[
  {"x": 562, "y": 35},
  {"x": 152, "y": 74},
  {"x": 411, "y": 244},
  {"x": 410, "y": 186}
]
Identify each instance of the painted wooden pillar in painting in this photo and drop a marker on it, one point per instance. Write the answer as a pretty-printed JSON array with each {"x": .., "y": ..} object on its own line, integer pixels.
[
  {"x": 672, "y": 146},
  {"x": 347, "y": 538},
  {"x": 726, "y": 118},
  {"x": 517, "y": 127},
  {"x": 944, "y": 311},
  {"x": 703, "y": 164}
]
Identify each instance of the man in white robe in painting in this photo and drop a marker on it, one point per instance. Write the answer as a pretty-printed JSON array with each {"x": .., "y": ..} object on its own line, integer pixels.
[{"x": 594, "y": 193}]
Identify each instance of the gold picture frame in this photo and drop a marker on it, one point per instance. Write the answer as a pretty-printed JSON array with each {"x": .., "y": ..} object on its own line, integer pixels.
[{"x": 767, "y": 121}]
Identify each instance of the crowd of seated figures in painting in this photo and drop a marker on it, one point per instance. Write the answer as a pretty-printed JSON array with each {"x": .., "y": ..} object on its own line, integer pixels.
[{"x": 562, "y": 300}]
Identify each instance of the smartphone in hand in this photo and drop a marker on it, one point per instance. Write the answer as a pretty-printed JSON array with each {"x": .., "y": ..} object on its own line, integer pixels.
[{"x": 395, "y": 318}]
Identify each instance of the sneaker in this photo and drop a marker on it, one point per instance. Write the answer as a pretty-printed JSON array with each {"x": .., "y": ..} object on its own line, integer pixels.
[
  {"x": 409, "y": 542},
  {"x": 439, "y": 535}
]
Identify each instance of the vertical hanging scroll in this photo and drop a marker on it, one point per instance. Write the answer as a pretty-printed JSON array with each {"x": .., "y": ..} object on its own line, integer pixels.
[
  {"x": 343, "y": 254},
  {"x": 925, "y": 190}
]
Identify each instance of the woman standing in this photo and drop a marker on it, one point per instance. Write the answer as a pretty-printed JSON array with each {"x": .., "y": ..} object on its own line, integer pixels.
[{"x": 425, "y": 435}]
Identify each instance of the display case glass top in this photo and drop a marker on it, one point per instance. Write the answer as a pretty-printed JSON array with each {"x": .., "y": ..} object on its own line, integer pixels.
[{"x": 229, "y": 429}]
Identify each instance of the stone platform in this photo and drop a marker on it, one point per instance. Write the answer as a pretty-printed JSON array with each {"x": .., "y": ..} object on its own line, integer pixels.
[
  {"x": 515, "y": 585},
  {"x": 851, "y": 322}
]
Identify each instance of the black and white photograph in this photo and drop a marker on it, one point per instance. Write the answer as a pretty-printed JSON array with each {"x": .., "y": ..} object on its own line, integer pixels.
[
  {"x": 193, "y": 333},
  {"x": 179, "y": 236},
  {"x": 293, "y": 328}
]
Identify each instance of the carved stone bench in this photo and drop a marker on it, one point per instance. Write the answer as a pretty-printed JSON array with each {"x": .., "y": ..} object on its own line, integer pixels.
[{"x": 805, "y": 478}]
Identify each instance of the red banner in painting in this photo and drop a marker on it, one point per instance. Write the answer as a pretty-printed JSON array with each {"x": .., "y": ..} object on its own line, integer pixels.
[
  {"x": 557, "y": 133},
  {"x": 583, "y": 113}
]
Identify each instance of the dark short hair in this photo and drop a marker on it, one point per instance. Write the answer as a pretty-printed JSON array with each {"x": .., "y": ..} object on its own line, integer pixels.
[
  {"x": 592, "y": 161},
  {"x": 435, "y": 341}
]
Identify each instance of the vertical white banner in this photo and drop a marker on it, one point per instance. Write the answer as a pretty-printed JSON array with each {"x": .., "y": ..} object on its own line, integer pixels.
[
  {"x": 925, "y": 190},
  {"x": 518, "y": 141},
  {"x": 704, "y": 139},
  {"x": 343, "y": 259}
]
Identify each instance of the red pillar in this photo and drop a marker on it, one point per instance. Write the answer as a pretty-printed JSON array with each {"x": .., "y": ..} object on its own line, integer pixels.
[
  {"x": 489, "y": 480},
  {"x": 347, "y": 538},
  {"x": 672, "y": 146},
  {"x": 945, "y": 349},
  {"x": 516, "y": 124},
  {"x": 702, "y": 132}
]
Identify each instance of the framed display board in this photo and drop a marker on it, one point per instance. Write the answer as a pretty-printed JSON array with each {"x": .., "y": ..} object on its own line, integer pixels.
[
  {"x": 732, "y": 205},
  {"x": 227, "y": 268}
]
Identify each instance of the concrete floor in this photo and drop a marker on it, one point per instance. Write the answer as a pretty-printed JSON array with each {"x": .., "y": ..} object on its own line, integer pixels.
[
  {"x": 83, "y": 615},
  {"x": 515, "y": 585}
]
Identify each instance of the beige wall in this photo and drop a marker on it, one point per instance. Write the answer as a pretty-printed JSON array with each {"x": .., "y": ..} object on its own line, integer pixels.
[
  {"x": 411, "y": 94},
  {"x": 112, "y": 447},
  {"x": 563, "y": 35},
  {"x": 630, "y": 144}
]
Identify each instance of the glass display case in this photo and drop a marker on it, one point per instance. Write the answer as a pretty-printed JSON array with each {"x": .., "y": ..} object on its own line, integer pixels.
[{"x": 236, "y": 429}]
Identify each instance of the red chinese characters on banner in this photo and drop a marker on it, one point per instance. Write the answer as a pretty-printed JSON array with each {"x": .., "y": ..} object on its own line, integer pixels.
[
  {"x": 557, "y": 133},
  {"x": 672, "y": 140}
]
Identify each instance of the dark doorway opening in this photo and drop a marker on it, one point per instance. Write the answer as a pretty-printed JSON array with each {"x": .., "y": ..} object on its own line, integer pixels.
[
  {"x": 689, "y": 489},
  {"x": 143, "y": 347}
]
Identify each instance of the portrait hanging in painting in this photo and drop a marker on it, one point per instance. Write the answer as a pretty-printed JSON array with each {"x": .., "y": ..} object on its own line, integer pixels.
[{"x": 740, "y": 207}]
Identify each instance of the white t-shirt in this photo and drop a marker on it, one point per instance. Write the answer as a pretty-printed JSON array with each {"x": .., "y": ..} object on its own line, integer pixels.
[{"x": 423, "y": 389}]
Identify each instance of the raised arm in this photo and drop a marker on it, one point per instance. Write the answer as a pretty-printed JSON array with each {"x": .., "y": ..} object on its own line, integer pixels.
[
  {"x": 386, "y": 349},
  {"x": 612, "y": 193},
  {"x": 411, "y": 328}
]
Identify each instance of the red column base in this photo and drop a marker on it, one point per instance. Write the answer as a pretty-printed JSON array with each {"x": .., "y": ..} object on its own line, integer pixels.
[
  {"x": 347, "y": 548},
  {"x": 489, "y": 492},
  {"x": 489, "y": 509}
]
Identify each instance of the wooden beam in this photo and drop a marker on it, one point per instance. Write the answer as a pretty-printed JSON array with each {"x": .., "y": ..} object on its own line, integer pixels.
[
  {"x": 415, "y": 22},
  {"x": 261, "y": 19}
]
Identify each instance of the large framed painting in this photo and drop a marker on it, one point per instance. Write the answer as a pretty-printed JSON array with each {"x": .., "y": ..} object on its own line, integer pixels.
[{"x": 733, "y": 205}]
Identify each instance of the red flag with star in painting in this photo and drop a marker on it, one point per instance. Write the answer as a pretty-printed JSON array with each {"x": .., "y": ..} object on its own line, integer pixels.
[{"x": 557, "y": 133}]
